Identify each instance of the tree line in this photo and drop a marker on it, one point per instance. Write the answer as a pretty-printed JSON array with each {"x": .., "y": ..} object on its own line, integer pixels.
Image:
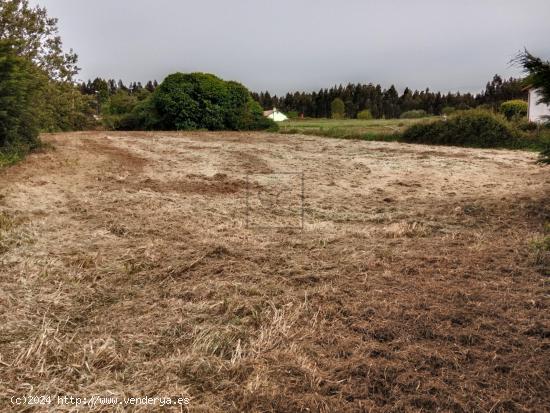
[
  {"x": 114, "y": 96},
  {"x": 388, "y": 103},
  {"x": 108, "y": 87}
]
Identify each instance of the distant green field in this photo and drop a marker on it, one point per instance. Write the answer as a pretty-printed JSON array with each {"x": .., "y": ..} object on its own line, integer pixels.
[{"x": 375, "y": 129}]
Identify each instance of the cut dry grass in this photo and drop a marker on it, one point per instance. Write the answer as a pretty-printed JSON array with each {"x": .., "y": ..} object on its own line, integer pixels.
[{"x": 417, "y": 283}]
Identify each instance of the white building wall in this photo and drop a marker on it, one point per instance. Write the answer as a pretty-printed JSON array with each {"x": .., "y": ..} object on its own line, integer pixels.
[{"x": 537, "y": 112}]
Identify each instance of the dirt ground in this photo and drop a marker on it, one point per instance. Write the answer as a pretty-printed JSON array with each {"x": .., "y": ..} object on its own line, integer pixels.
[{"x": 386, "y": 278}]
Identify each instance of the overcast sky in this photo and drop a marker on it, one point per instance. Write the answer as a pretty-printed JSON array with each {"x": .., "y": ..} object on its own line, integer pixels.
[{"x": 284, "y": 45}]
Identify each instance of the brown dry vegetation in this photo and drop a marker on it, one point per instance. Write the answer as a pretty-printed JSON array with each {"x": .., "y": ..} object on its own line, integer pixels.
[{"x": 127, "y": 269}]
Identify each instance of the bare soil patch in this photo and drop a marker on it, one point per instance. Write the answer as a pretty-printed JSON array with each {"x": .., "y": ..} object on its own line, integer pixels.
[{"x": 127, "y": 268}]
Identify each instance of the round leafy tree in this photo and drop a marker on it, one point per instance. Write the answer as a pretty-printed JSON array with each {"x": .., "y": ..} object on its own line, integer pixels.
[{"x": 204, "y": 101}]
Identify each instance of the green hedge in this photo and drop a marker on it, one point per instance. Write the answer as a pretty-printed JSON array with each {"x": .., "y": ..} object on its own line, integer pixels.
[{"x": 474, "y": 128}]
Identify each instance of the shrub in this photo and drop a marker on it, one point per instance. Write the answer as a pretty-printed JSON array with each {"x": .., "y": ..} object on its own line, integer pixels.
[
  {"x": 526, "y": 126},
  {"x": 20, "y": 84},
  {"x": 252, "y": 118},
  {"x": 112, "y": 122},
  {"x": 514, "y": 109},
  {"x": 197, "y": 101},
  {"x": 473, "y": 128},
  {"x": 484, "y": 106},
  {"x": 365, "y": 115},
  {"x": 414, "y": 114},
  {"x": 448, "y": 110},
  {"x": 144, "y": 116}
]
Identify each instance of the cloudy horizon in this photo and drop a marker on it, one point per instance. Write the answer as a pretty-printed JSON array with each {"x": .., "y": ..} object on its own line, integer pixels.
[{"x": 282, "y": 46}]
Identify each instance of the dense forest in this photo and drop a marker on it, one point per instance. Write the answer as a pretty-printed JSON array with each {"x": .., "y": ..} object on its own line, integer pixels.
[{"x": 388, "y": 103}]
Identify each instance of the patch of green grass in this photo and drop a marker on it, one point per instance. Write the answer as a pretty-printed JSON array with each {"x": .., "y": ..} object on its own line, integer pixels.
[
  {"x": 543, "y": 244},
  {"x": 10, "y": 156},
  {"x": 371, "y": 129},
  {"x": 389, "y": 130}
]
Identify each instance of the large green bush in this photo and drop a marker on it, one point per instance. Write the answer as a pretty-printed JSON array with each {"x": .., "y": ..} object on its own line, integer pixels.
[
  {"x": 514, "y": 109},
  {"x": 475, "y": 128},
  {"x": 186, "y": 101},
  {"x": 414, "y": 114}
]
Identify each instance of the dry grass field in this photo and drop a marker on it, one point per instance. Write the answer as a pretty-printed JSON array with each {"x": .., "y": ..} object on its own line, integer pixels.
[{"x": 153, "y": 264}]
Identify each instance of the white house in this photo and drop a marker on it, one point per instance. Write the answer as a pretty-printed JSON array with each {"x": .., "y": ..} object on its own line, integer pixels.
[
  {"x": 276, "y": 115},
  {"x": 537, "y": 111}
]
